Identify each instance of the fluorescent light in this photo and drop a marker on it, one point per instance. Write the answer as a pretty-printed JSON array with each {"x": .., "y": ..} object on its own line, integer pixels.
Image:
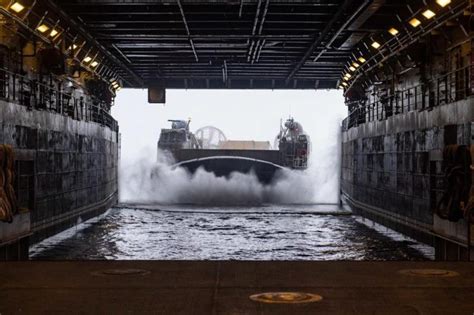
[
  {"x": 42, "y": 28},
  {"x": 393, "y": 31},
  {"x": 376, "y": 45},
  {"x": 361, "y": 59},
  {"x": 443, "y": 3},
  {"x": 414, "y": 22},
  {"x": 355, "y": 64},
  {"x": 352, "y": 68},
  {"x": 344, "y": 83},
  {"x": 53, "y": 33},
  {"x": 428, "y": 14},
  {"x": 73, "y": 46},
  {"x": 347, "y": 75},
  {"x": 17, "y": 7},
  {"x": 94, "y": 64},
  {"x": 87, "y": 59},
  {"x": 346, "y": 78}
]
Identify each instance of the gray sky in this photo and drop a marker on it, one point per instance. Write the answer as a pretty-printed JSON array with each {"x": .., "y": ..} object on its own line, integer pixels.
[{"x": 240, "y": 114}]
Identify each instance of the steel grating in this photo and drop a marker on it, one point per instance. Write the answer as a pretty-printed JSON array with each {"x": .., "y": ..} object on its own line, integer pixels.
[{"x": 258, "y": 44}]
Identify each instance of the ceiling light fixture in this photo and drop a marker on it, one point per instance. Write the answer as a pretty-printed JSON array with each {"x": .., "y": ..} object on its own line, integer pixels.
[
  {"x": 376, "y": 45},
  {"x": 443, "y": 3},
  {"x": 428, "y": 14},
  {"x": 393, "y": 31},
  {"x": 42, "y": 28},
  {"x": 414, "y": 22},
  {"x": 17, "y": 7}
]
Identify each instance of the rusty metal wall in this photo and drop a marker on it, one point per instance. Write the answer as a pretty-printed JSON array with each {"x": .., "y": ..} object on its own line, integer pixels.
[
  {"x": 74, "y": 163},
  {"x": 392, "y": 169}
]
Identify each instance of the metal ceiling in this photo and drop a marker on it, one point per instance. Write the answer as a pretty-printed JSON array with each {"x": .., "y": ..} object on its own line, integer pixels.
[{"x": 259, "y": 44}]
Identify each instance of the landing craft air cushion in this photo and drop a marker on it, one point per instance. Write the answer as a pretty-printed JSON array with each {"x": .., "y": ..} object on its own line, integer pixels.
[{"x": 208, "y": 148}]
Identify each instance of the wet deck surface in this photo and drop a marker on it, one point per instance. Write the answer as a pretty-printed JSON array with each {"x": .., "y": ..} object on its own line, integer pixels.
[{"x": 181, "y": 287}]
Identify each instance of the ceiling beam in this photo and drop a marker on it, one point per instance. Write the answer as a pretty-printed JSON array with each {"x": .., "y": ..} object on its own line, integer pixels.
[
  {"x": 92, "y": 40},
  {"x": 318, "y": 39},
  {"x": 344, "y": 26},
  {"x": 187, "y": 31}
]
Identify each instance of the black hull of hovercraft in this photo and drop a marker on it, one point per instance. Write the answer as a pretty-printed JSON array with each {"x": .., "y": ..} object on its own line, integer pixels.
[{"x": 225, "y": 166}]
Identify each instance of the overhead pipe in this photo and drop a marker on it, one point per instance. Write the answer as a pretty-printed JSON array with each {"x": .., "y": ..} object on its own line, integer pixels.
[
  {"x": 260, "y": 43},
  {"x": 254, "y": 29},
  {"x": 187, "y": 30},
  {"x": 318, "y": 39},
  {"x": 261, "y": 47},
  {"x": 264, "y": 15},
  {"x": 348, "y": 21}
]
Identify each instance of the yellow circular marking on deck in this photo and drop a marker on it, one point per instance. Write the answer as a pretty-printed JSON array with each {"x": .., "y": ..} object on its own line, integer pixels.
[
  {"x": 286, "y": 297},
  {"x": 429, "y": 273}
]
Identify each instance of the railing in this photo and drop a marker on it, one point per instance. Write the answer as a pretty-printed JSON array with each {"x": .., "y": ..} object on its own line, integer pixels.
[
  {"x": 448, "y": 88},
  {"x": 53, "y": 97}
]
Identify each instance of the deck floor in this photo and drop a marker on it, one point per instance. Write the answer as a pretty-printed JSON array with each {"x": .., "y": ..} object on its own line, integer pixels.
[{"x": 209, "y": 287}]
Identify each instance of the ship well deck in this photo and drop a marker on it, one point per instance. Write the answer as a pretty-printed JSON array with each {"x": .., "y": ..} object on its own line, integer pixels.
[{"x": 210, "y": 287}]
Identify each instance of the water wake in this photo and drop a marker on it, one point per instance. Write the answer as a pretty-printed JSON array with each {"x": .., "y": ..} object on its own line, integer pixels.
[{"x": 148, "y": 181}]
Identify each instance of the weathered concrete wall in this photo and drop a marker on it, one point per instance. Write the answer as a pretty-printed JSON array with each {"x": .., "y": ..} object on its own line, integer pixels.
[
  {"x": 67, "y": 168},
  {"x": 392, "y": 168}
]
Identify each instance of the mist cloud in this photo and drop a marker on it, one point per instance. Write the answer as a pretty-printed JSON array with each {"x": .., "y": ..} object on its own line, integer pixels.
[
  {"x": 147, "y": 181},
  {"x": 241, "y": 114}
]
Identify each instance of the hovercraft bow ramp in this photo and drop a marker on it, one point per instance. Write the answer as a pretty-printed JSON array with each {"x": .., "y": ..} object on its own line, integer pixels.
[{"x": 222, "y": 165}]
